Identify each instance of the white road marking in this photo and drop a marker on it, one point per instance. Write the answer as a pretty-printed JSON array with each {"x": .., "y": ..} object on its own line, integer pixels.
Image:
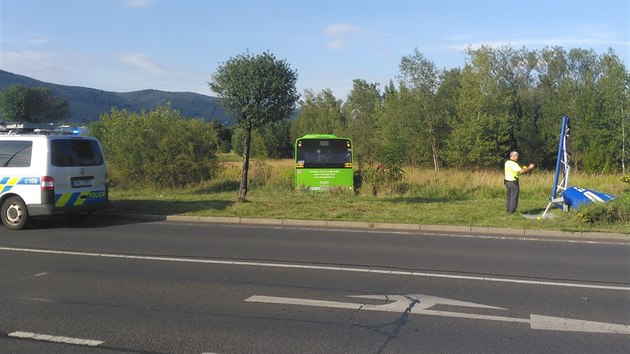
[
  {"x": 573, "y": 325},
  {"x": 400, "y": 304},
  {"x": 422, "y": 302},
  {"x": 29, "y": 299},
  {"x": 322, "y": 268},
  {"x": 56, "y": 339},
  {"x": 403, "y": 303}
]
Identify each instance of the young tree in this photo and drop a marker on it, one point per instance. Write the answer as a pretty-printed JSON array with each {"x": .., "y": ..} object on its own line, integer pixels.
[
  {"x": 257, "y": 89},
  {"x": 32, "y": 105}
]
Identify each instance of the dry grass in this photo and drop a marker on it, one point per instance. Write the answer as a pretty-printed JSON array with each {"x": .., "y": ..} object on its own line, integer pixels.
[{"x": 424, "y": 196}]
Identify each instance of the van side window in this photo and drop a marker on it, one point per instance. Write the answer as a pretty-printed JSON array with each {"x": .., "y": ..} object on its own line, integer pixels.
[
  {"x": 71, "y": 153},
  {"x": 15, "y": 153}
]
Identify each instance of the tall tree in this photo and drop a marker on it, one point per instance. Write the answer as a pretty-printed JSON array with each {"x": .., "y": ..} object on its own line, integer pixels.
[
  {"x": 526, "y": 103},
  {"x": 481, "y": 136},
  {"x": 422, "y": 77},
  {"x": 257, "y": 89},
  {"x": 589, "y": 133},
  {"x": 612, "y": 89},
  {"x": 319, "y": 113},
  {"x": 32, "y": 105},
  {"x": 398, "y": 129},
  {"x": 446, "y": 99},
  {"x": 555, "y": 93},
  {"x": 361, "y": 107}
]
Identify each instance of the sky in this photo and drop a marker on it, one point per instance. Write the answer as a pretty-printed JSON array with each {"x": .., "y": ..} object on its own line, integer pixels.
[{"x": 177, "y": 45}]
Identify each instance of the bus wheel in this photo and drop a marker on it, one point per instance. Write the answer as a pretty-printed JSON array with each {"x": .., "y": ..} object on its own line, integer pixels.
[{"x": 14, "y": 213}]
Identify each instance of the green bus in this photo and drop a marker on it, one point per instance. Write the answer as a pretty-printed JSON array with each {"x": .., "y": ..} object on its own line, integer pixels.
[{"x": 323, "y": 161}]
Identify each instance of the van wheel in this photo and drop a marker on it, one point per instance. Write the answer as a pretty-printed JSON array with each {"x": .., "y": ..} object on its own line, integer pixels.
[{"x": 14, "y": 213}]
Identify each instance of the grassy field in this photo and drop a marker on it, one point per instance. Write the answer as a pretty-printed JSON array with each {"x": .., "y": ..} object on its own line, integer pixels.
[{"x": 424, "y": 196}]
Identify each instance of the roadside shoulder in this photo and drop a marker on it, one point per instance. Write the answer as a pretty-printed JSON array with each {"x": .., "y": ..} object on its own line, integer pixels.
[{"x": 512, "y": 232}]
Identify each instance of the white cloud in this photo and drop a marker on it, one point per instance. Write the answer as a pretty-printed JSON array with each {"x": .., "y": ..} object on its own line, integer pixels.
[
  {"x": 138, "y": 3},
  {"x": 37, "y": 40},
  {"x": 339, "y": 35},
  {"x": 130, "y": 72},
  {"x": 144, "y": 63},
  {"x": 543, "y": 42},
  {"x": 54, "y": 67},
  {"x": 458, "y": 37},
  {"x": 32, "y": 60},
  {"x": 578, "y": 36}
]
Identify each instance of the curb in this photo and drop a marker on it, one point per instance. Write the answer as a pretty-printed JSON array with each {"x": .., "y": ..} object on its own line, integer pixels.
[{"x": 593, "y": 236}]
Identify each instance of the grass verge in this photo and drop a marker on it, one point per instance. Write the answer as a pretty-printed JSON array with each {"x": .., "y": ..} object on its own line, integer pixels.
[{"x": 445, "y": 197}]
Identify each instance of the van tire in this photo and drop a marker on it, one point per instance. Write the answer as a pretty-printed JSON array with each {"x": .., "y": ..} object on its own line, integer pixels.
[{"x": 14, "y": 213}]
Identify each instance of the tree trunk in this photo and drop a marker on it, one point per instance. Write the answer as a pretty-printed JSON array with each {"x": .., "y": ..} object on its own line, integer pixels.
[
  {"x": 623, "y": 142},
  {"x": 434, "y": 152},
  {"x": 434, "y": 147},
  {"x": 242, "y": 192}
]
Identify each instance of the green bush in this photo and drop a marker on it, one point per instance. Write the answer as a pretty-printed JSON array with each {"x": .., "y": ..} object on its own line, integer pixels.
[
  {"x": 615, "y": 211},
  {"x": 386, "y": 181},
  {"x": 158, "y": 148}
]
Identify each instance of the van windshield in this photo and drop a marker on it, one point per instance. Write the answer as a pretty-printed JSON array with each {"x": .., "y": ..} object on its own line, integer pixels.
[{"x": 75, "y": 152}]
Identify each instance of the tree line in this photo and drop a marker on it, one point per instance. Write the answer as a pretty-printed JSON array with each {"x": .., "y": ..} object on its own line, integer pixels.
[
  {"x": 32, "y": 105},
  {"x": 502, "y": 99},
  {"x": 472, "y": 117}
]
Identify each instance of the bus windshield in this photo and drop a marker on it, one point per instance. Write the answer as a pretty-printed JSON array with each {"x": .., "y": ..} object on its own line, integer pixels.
[{"x": 326, "y": 153}]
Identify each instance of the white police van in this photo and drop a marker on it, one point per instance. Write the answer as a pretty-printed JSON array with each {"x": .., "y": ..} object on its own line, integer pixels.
[{"x": 49, "y": 174}]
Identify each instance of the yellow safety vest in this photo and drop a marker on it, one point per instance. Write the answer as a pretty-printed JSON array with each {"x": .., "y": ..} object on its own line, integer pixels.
[{"x": 511, "y": 170}]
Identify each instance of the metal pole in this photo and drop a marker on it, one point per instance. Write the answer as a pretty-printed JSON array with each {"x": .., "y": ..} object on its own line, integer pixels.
[
  {"x": 562, "y": 165},
  {"x": 561, "y": 157}
]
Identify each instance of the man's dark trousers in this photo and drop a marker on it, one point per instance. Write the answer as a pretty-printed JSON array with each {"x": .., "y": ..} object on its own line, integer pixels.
[{"x": 511, "y": 201}]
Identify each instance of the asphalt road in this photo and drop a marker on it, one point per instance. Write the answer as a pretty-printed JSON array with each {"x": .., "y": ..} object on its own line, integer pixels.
[{"x": 166, "y": 287}]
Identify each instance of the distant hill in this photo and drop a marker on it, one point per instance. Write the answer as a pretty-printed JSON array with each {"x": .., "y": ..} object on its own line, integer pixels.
[{"x": 87, "y": 104}]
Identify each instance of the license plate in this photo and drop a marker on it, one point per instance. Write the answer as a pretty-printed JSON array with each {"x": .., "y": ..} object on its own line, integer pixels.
[{"x": 82, "y": 183}]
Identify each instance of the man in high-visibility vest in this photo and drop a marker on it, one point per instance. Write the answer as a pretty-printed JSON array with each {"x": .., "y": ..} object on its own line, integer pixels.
[{"x": 512, "y": 173}]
